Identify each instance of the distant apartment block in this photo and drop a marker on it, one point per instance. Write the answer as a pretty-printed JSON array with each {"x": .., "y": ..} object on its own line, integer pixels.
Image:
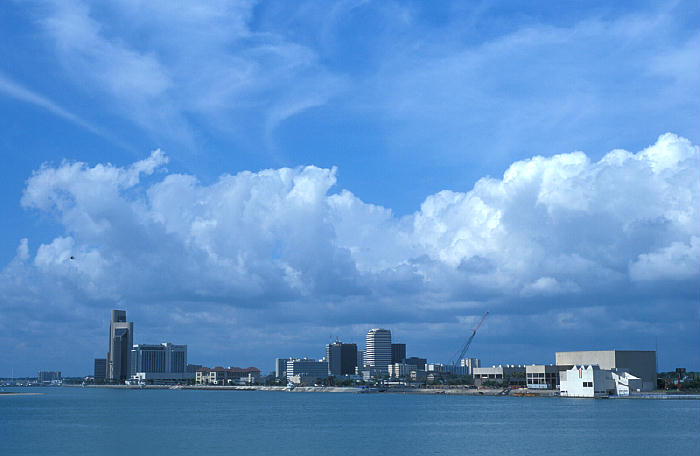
[
  {"x": 160, "y": 363},
  {"x": 307, "y": 367},
  {"x": 48, "y": 377},
  {"x": 223, "y": 376}
]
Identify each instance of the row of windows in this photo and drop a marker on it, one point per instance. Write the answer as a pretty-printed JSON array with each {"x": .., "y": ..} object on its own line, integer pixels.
[{"x": 588, "y": 384}]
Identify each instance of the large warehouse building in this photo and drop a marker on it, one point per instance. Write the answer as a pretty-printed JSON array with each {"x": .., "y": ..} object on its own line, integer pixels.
[{"x": 637, "y": 362}]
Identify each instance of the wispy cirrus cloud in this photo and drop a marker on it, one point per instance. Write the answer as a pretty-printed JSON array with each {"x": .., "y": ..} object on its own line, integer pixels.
[{"x": 214, "y": 69}]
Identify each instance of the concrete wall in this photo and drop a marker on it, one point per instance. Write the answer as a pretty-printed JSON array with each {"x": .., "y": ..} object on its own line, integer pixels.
[{"x": 641, "y": 364}]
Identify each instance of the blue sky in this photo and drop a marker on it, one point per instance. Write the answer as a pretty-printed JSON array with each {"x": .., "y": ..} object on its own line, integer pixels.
[{"x": 277, "y": 173}]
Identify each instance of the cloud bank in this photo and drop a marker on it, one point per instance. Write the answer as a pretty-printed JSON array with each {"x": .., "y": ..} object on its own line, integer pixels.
[{"x": 578, "y": 244}]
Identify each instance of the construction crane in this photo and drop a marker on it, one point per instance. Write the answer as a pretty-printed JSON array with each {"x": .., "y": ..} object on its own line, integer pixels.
[{"x": 471, "y": 338}]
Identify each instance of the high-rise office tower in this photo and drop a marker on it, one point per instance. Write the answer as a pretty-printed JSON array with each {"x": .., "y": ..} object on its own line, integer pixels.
[
  {"x": 342, "y": 358},
  {"x": 378, "y": 349},
  {"x": 121, "y": 341},
  {"x": 398, "y": 353}
]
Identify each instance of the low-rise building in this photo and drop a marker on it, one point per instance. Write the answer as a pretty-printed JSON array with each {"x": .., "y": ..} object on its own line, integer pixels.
[
  {"x": 542, "y": 376},
  {"x": 226, "y": 375},
  {"x": 506, "y": 375},
  {"x": 592, "y": 381}
]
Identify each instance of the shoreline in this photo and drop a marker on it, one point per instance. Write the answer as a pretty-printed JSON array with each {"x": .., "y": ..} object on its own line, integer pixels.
[{"x": 420, "y": 391}]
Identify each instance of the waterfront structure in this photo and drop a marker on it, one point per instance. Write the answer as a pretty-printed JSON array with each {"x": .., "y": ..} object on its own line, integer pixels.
[
  {"x": 639, "y": 363},
  {"x": 592, "y": 381},
  {"x": 160, "y": 363},
  {"x": 418, "y": 362},
  {"x": 398, "y": 353},
  {"x": 121, "y": 339},
  {"x": 470, "y": 364},
  {"x": 281, "y": 367},
  {"x": 542, "y": 376},
  {"x": 164, "y": 357},
  {"x": 48, "y": 377},
  {"x": 378, "y": 349},
  {"x": 505, "y": 375},
  {"x": 307, "y": 367},
  {"x": 100, "y": 370},
  {"x": 341, "y": 358},
  {"x": 222, "y": 376}
]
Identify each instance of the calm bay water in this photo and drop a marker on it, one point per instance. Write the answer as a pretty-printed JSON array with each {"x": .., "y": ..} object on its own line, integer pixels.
[{"x": 184, "y": 422}]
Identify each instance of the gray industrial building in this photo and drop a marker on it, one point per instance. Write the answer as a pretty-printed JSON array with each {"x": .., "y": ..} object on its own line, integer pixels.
[
  {"x": 121, "y": 340},
  {"x": 639, "y": 363},
  {"x": 378, "y": 349},
  {"x": 48, "y": 377},
  {"x": 341, "y": 358}
]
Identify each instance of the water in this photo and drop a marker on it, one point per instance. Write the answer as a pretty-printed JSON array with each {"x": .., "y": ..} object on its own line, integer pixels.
[{"x": 183, "y": 422}]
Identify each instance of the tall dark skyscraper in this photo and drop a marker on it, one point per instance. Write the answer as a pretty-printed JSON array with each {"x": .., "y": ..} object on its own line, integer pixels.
[
  {"x": 398, "y": 353},
  {"x": 121, "y": 341},
  {"x": 342, "y": 358}
]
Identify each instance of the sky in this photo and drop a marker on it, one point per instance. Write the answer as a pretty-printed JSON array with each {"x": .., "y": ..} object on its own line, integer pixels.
[{"x": 257, "y": 178}]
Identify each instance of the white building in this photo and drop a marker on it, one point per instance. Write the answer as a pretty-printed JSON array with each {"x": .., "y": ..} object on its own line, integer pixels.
[
  {"x": 639, "y": 363},
  {"x": 378, "y": 349},
  {"x": 592, "y": 381}
]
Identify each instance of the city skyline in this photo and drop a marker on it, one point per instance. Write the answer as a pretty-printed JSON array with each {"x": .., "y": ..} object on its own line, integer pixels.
[{"x": 279, "y": 174}]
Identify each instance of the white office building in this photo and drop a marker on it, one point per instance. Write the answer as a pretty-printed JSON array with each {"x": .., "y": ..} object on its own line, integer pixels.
[{"x": 378, "y": 349}]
